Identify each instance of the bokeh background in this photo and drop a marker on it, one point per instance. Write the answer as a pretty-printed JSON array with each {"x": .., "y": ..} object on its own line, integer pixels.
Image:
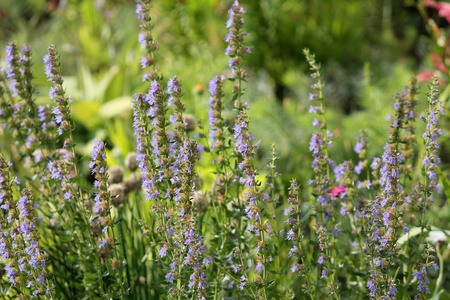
[{"x": 368, "y": 51}]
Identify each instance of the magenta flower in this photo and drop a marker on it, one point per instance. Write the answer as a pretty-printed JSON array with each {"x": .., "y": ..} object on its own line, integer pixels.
[
  {"x": 443, "y": 8},
  {"x": 338, "y": 190}
]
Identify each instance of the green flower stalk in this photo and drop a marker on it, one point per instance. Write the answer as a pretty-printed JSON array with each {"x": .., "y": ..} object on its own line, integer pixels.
[
  {"x": 102, "y": 206},
  {"x": 409, "y": 138},
  {"x": 13, "y": 72},
  {"x": 175, "y": 94},
  {"x": 21, "y": 116},
  {"x": 322, "y": 184},
  {"x": 62, "y": 109},
  {"x": 236, "y": 50},
  {"x": 424, "y": 190},
  {"x": 146, "y": 40},
  {"x": 217, "y": 133}
]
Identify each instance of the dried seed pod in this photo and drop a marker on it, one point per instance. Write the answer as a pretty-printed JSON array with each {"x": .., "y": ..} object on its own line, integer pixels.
[
  {"x": 130, "y": 161},
  {"x": 117, "y": 192},
  {"x": 115, "y": 174},
  {"x": 190, "y": 122},
  {"x": 132, "y": 183}
]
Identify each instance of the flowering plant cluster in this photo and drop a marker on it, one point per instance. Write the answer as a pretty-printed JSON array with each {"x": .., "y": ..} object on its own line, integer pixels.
[{"x": 152, "y": 228}]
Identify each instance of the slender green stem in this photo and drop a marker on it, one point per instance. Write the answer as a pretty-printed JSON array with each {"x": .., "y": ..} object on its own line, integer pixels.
[
  {"x": 124, "y": 251},
  {"x": 116, "y": 254},
  {"x": 441, "y": 272}
]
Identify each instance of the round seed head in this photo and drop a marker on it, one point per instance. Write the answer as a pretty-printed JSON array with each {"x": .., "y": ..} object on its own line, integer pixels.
[
  {"x": 190, "y": 121},
  {"x": 132, "y": 183},
  {"x": 130, "y": 161},
  {"x": 117, "y": 192},
  {"x": 115, "y": 174}
]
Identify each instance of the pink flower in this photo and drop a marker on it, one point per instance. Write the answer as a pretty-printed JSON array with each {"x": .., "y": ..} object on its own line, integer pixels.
[
  {"x": 425, "y": 76},
  {"x": 443, "y": 8},
  {"x": 336, "y": 191},
  {"x": 438, "y": 64}
]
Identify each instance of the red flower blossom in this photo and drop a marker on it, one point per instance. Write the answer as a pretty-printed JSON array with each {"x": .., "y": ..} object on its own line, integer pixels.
[
  {"x": 443, "y": 8},
  {"x": 424, "y": 76},
  {"x": 438, "y": 63},
  {"x": 336, "y": 191}
]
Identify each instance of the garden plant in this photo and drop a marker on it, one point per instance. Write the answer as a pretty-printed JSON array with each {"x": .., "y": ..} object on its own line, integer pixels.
[{"x": 194, "y": 213}]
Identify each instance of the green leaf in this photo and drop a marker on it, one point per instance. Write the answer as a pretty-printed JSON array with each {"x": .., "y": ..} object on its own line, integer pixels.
[
  {"x": 436, "y": 296},
  {"x": 115, "y": 107},
  {"x": 412, "y": 233},
  {"x": 66, "y": 238},
  {"x": 445, "y": 184},
  {"x": 416, "y": 231},
  {"x": 85, "y": 112},
  {"x": 119, "y": 136}
]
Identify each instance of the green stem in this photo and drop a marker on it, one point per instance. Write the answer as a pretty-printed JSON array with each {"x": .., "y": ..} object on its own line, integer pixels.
[
  {"x": 122, "y": 291},
  {"x": 441, "y": 272}
]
